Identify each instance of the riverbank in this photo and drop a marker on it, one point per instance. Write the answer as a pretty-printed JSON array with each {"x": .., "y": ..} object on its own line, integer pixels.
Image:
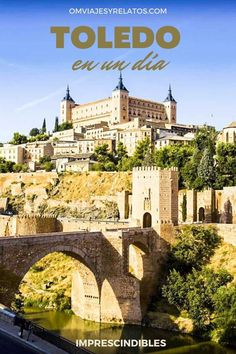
[{"x": 73, "y": 327}]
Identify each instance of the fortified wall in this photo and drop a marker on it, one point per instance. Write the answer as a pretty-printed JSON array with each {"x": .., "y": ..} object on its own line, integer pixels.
[
  {"x": 28, "y": 225},
  {"x": 152, "y": 203},
  {"x": 208, "y": 206}
]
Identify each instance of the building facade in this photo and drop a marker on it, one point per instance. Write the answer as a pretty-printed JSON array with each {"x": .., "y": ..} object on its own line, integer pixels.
[
  {"x": 120, "y": 108},
  {"x": 228, "y": 134},
  {"x": 33, "y": 152},
  {"x": 14, "y": 153}
]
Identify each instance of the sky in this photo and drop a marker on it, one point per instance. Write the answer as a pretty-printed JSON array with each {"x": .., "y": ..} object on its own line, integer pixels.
[{"x": 34, "y": 73}]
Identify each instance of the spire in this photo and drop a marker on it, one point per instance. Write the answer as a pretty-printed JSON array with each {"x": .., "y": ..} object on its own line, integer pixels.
[
  {"x": 120, "y": 85},
  {"x": 67, "y": 96},
  {"x": 169, "y": 97}
]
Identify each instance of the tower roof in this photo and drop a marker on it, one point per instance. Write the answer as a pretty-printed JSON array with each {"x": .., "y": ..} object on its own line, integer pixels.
[
  {"x": 231, "y": 125},
  {"x": 68, "y": 96},
  {"x": 120, "y": 85},
  {"x": 169, "y": 97}
]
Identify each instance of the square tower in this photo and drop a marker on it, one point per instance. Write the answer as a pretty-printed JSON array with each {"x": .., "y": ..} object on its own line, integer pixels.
[
  {"x": 155, "y": 196},
  {"x": 120, "y": 103}
]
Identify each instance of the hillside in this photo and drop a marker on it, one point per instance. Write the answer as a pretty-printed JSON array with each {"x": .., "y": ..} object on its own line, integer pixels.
[
  {"x": 225, "y": 257},
  {"x": 83, "y": 186},
  {"x": 75, "y": 195}
]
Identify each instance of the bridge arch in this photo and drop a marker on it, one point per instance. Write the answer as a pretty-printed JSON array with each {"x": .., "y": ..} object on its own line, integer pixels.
[
  {"x": 73, "y": 251},
  {"x": 85, "y": 289}
]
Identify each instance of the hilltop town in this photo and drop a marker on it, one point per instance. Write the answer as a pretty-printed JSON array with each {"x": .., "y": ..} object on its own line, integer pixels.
[{"x": 119, "y": 120}]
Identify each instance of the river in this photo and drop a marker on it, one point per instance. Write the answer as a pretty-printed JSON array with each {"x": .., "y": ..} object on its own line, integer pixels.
[{"x": 73, "y": 328}]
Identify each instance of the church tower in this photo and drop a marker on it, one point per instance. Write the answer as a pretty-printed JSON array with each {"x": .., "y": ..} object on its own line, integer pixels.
[
  {"x": 170, "y": 107},
  {"x": 67, "y": 104},
  {"x": 120, "y": 103}
]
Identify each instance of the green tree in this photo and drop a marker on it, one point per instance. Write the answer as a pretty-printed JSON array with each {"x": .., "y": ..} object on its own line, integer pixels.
[
  {"x": 195, "y": 293},
  {"x": 225, "y": 314},
  {"x": 44, "y": 126},
  {"x": 105, "y": 159},
  {"x": 34, "y": 132},
  {"x": 20, "y": 168},
  {"x": 194, "y": 246},
  {"x": 48, "y": 166},
  {"x": 44, "y": 159},
  {"x": 206, "y": 169},
  {"x": 174, "y": 156},
  {"x": 121, "y": 151},
  {"x": 6, "y": 166},
  {"x": 121, "y": 155},
  {"x": 225, "y": 165},
  {"x": 102, "y": 153},
  {"x": 148, "y": 159},
  {"x": 18, "y": 139},
  {"x": 65, "y": 126},
  {"x": 56, "y": 125},
  {"x": 142, "y": 148},
  {"x": 205, "y": 139},
  {"x": 39, "y": 137},
  {"x": 184, "y": 208}
]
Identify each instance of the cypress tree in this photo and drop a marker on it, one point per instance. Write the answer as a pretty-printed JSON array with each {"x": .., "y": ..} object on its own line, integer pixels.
[
  {"x": 206, "y": 169},
  {"x": 56, "y": 126},
  {"x": 44, "y": 127}
]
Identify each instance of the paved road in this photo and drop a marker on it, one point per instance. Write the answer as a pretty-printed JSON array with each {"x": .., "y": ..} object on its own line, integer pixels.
[{"x": 11, "y": 346}]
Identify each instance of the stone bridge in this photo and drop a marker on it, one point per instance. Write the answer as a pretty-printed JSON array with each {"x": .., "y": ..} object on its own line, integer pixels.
[{"x": 117, "y": 275}]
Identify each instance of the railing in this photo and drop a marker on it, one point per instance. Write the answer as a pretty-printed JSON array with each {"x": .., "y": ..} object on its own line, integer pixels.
[
  {"x": 50, "y": 337},
  {"x": 57, "y": 340}
]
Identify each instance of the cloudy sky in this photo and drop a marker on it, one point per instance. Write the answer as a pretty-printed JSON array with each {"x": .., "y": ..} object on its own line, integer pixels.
[{"x": 34, "y": 73}]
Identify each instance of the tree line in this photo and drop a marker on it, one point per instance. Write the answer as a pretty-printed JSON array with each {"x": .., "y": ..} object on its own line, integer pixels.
[{"x": 203, "y": 163}]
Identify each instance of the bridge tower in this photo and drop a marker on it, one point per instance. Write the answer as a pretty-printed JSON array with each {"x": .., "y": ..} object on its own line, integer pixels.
[{"x": 155, "y": 196}]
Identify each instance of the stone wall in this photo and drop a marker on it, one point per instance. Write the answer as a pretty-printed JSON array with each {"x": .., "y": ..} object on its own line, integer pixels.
[
  {"x": 19, "y": 226},
  {"x": 71, "y": 224},
  {"x": 211, "y": 205},
  {"x": 227, "y": 195}
]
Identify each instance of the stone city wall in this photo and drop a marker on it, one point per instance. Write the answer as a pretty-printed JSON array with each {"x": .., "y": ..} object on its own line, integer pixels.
[
  {"x": 213, "y": 203},
  {"x": 19, "y": 226}
]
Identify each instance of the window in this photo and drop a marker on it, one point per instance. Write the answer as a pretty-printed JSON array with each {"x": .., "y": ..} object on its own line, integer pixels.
[{"x": 227, "y": 137}]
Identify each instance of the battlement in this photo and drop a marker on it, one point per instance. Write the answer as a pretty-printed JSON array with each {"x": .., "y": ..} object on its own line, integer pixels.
[{"x": 153, "y": 168}]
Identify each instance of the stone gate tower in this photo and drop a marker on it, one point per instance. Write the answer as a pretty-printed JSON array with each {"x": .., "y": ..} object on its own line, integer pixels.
[{"x": 155, "y": 196}]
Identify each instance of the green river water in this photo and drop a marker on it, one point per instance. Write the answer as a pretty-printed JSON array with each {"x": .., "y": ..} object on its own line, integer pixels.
[{"x": 73, "y": 328}]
